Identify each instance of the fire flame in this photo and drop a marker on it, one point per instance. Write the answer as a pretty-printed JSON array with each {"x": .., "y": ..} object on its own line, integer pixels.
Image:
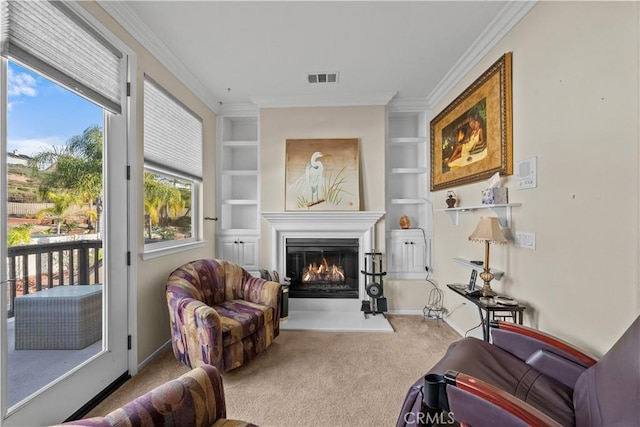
[{"x": 323, "y": 272}]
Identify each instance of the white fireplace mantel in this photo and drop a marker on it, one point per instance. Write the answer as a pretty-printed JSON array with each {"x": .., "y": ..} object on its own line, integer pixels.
[
  {"x": 320, "y": 221},
  {"x": 348, "y": 224}
]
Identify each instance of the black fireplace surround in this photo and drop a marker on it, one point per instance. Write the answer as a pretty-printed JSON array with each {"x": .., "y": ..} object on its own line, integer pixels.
[{"x": 322, "y": 267}]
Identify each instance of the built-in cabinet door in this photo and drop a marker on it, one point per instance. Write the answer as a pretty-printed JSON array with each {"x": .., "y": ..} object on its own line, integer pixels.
[
  {"x": 397, "y": 255},
  {"x": 408, "y": 253},
  {"x": 407, "y": 256},
  {"x": 240, "y": 250},
  {"x": 415, "y": 252}
]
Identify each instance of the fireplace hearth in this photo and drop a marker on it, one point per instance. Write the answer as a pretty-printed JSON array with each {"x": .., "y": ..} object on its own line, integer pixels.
[{"x": 322, "y": 267}]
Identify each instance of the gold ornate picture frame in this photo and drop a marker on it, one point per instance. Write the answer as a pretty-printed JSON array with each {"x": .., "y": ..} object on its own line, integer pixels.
[{"x": 471, "y": 139}]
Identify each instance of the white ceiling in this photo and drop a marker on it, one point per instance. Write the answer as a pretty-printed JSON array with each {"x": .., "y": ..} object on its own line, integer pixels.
[{"x": 237, "y": 52}]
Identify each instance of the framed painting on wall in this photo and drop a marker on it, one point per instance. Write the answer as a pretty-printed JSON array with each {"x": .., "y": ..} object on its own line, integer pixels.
[
  {"x": 471, "y": 139},
  {"x": 322, "y": 175}
]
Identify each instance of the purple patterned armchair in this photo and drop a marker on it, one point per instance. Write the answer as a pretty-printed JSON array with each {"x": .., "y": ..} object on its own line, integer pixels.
[
  {"x": 196, "y": 399},
  {"x": 527, "y": 377},
  {"x": 220, "y": 314}
]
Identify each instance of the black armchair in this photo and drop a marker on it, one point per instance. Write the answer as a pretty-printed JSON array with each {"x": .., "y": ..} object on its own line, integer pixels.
[{"x": 526, "y": 377}]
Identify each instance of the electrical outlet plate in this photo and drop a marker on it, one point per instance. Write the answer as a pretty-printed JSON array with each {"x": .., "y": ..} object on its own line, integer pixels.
[{"x": 525, "y": 239}]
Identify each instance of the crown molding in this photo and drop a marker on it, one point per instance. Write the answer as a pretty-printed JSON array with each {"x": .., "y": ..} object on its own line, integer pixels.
[
  {"x": 408, "y": 104},
  {"x": 508, "y": 17},
  {"x": 126, "y": 17},
  {"x": 334, "y": 100},
  {"x": 238, "y": 109}
]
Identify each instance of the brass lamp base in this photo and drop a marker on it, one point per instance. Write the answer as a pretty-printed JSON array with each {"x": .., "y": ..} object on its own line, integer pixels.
[{"x": 487, "y": 276}]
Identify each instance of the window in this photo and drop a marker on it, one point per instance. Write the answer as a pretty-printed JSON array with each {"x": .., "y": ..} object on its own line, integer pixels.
[
  {"x": 85, "y": 62},
  {"x": 172, "y": 172}
]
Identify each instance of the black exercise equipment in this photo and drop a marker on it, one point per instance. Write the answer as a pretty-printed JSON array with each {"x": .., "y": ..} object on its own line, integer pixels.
[{"x": 376, "y": 303}]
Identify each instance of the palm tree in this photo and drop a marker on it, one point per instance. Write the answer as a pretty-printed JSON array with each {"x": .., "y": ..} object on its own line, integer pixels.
[
  {"x": 75, "y": 168},
  {"x": 162, "y": 200},
  {"x": 61, "y": 202}
]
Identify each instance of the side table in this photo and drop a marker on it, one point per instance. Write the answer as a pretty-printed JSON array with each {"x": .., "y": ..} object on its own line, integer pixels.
[{"x": 491, "y": 311}]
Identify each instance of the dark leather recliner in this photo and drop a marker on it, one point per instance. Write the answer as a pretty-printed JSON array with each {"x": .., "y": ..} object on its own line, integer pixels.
[{"x": 526, "y": 377}]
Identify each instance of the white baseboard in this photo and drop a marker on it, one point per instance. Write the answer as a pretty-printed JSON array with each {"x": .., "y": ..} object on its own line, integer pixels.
[
  {"x": 155, "y": 354},
  {"x": 406, "y": 312},
  {"x": 455, "y": 327},
  {"x": 448, "y": 321}
]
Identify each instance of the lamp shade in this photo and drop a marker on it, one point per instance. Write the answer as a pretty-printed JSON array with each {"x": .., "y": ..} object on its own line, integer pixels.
[{"x": 488, "y": 230}]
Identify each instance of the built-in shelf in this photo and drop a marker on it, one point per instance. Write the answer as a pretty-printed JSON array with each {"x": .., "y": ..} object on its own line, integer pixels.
[
  {"x": 238, "y": 194},
  {"x": 502, "y": 211},
  {"x": 238, "y": 144},
  {"x": 240, "y": 173},
  {"x": 239, "y": 202},
  {"x": 238, "y": 189},
  {"x": 407, "y": 191},
  {"x": 408, "y": 201},
  {"x": 409, "y": 170},
  {"x": 408, "y": 140},
  {"x": 466, "y": 263}
]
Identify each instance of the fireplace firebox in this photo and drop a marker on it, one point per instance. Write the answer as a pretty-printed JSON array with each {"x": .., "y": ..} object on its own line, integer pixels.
[{"x": 322, "y": 267}]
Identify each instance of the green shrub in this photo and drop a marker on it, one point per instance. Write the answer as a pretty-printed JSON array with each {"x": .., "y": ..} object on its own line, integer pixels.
[
  {"x": 19, "y": 235},
  {"x": 167, "y": 233},
  {"x": 183, "y": 221},
  {"x": 22, "y": 196}
]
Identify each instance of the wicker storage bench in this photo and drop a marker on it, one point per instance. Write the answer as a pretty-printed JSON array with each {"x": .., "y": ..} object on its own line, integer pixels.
[{"x": 60, "y": 318}]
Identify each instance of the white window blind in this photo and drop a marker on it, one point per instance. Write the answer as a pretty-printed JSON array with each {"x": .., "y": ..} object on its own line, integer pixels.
[
  {"x": 52, "y": 39},
  {"x": 172, "y": 133}
]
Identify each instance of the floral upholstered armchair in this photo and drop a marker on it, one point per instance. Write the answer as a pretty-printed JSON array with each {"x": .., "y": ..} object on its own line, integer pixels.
[
  {"x": 196, "y": 399},
  {"x": 220, "y": 314}
]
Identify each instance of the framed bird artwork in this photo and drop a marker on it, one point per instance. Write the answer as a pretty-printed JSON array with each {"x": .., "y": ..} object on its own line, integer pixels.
[{"x": 322, "y": 175}]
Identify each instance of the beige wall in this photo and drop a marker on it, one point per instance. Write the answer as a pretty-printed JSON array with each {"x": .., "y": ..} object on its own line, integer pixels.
[
  {"x": 575, "y": 107},
  {"x": 279, "y": 124},
  {"x": 151, "y": 308}
]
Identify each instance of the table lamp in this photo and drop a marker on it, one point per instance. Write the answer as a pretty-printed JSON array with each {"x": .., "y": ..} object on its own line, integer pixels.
[{"x": 487, "y": 231}]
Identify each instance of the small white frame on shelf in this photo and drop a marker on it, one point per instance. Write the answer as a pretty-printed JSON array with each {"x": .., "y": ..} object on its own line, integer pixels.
[{"x": 502, "y": 211}]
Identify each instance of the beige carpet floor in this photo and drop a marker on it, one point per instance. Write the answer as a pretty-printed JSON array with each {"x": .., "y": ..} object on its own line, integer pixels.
[{"x": 308, "y": 378}]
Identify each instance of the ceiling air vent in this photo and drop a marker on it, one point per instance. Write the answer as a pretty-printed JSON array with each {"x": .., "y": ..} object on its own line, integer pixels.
[{"x": 322, "y": 77}]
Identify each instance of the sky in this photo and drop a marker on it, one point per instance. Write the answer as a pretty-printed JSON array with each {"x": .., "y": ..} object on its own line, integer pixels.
[{"x": 42, "y": 114}]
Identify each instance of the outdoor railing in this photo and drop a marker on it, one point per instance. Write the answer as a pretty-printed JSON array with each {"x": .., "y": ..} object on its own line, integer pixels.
[{"x": 31, "y": 268}]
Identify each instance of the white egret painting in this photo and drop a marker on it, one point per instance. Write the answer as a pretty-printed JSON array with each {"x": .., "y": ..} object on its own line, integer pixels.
[{"x": 322, "y": 175}]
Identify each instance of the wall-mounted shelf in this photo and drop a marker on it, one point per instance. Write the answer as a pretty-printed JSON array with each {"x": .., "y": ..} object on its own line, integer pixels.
[
  {"x": 408, "y": 139},
  {"x": 410, "y": 170},
  {"x": 503, "y": 212},
  {"x": 408, "y": 201},
  {"x": 497, "y": 274}
]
